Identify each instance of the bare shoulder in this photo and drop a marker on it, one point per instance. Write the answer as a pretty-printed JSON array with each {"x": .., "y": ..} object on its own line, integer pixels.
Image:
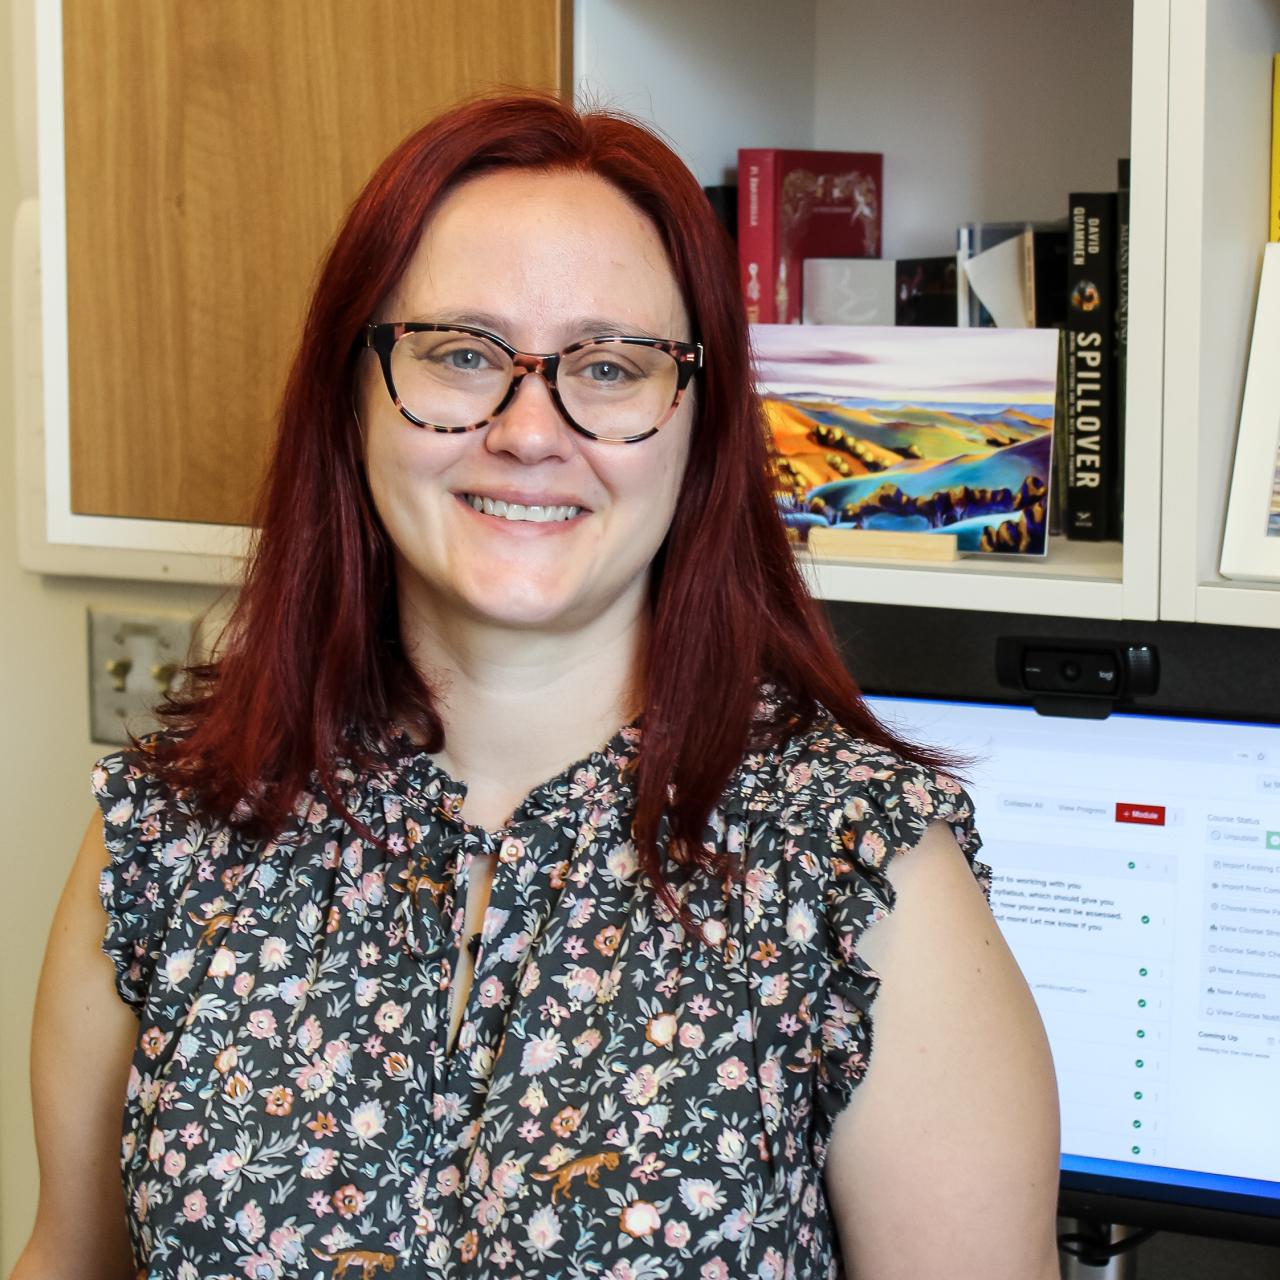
[
  {"x": 945, "y": 1162},
  {"x": 82, "y": 1043}
]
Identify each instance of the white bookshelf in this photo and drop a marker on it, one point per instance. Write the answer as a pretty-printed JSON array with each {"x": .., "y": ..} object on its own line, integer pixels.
[
  {"x": 1220, "y": 58},
  {"x": 983, "y": 112},
  {"x": 989, "y": 115}
]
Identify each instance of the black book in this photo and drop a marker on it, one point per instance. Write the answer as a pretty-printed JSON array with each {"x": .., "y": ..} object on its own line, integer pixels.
[
  {"x": 1092, "y": 480},
  {"x": 926, "y": 291},
  {"x": 1122, "y": 337},
  {"x": 1050, "y": 245},
  {"x": 724, "y": 200}
]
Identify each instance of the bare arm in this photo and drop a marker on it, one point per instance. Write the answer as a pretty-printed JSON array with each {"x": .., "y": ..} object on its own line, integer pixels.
[
  {"x": 945, "y": 1163},
  {"x": 81, "y": 1047}
]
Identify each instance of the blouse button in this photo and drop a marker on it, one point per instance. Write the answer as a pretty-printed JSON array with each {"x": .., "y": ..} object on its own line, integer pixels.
[{"x": 512, "y": 850}]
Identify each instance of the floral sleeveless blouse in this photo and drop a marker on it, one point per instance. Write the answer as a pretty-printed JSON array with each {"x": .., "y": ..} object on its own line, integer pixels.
[{"x": 620, "y": 1104}]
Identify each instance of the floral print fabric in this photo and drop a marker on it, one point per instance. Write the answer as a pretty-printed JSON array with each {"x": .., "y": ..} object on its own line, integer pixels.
[{"x": 621, "y": 1103}]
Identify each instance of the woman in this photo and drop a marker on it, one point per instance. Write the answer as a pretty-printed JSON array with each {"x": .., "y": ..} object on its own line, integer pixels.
[{"x": 475, "y": 565}]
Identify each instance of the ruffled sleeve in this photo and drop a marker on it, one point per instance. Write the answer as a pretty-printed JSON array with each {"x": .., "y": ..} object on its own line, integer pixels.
[
  {"x": 890, "y": 804},
  {"x": 145, "y": 834}
]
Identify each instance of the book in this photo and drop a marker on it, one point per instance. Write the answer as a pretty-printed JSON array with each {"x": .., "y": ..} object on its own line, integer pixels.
[
  {"x": 794, "y": 205},
  {"x": 1023, "y": 279},
  {"x": 1058, "y": 473},
  {"x": 1092, "y": 456},
  {"x": 1274, "y": 220},
  {"x": 1047, "y": 246},
  {"x": 973, "y": 239},
  {"x": 723, "y": 199},
  {"x": 926, "y": 291},
  {"x": 1122, "y": 340},
  {"x": 998, "y": 282},
  {"x": 880, "y": 291}
]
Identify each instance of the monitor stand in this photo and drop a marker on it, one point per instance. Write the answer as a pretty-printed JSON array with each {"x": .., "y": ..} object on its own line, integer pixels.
[{"x": 1095, "y": 1240}]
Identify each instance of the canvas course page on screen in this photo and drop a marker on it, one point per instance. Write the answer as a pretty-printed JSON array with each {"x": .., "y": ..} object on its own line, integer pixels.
[{"x": 1136, "y": 877}]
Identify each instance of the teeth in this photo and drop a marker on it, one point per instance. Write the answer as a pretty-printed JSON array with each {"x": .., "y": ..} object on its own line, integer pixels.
[{"x": 518, "y": 511}]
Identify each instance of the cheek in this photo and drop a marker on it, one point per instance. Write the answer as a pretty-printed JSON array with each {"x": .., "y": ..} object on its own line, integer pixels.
[
  {"x": 651, "y": 487},
  {"x": 404, "y": 463},
  {"x": 396, "y": 454},
  {"x": 675, "y": 460},
  {"x": 388, "y": 470}
]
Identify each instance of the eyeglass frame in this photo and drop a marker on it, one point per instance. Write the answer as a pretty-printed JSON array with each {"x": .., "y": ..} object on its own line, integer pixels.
[{"x": 382, "y": 337}]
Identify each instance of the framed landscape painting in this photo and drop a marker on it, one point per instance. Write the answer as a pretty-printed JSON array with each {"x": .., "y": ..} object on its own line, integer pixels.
[{"x": 913, "y": 430}]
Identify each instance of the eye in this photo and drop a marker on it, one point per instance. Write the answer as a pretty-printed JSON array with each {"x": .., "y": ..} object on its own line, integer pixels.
[
  {"x": 465, "y": 359},
  {"x": 607, "y": 373},
  {"x": 451, "y": 352}
]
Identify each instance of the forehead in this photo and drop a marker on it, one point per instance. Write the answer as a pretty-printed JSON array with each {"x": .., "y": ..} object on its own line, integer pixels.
[{"x": 541, "y": 249}]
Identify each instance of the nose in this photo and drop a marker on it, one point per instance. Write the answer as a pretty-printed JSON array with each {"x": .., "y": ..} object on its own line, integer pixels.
[{"x": 531, "y": 427}]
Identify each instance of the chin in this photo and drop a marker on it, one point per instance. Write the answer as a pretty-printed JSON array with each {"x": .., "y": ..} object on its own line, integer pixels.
[{"x": 521, "y": 603}]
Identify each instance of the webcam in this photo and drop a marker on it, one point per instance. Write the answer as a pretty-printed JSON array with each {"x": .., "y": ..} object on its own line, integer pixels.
[{"x": 1070, "y": 678}]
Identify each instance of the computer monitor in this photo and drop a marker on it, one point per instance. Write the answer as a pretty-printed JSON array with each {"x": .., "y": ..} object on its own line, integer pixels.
[{"x": 1136, "y": 877}]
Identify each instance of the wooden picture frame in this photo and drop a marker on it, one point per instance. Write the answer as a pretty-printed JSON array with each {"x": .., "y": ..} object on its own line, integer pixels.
[{"x": 1251, "y": 544}]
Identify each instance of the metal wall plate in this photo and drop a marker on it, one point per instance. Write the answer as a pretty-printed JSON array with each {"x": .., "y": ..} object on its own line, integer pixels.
[{"x": 134, "y": 657}]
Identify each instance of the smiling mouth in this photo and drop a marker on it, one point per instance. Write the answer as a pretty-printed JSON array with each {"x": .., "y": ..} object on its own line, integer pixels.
[{"x": 518, "y": 512}]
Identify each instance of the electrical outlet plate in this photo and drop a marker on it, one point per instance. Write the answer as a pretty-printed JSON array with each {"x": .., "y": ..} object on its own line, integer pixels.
[{"x": 133, "y": 659}]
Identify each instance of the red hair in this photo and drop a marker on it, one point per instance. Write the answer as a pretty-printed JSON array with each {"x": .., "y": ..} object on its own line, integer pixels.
[{"x": 312, "y": 664}]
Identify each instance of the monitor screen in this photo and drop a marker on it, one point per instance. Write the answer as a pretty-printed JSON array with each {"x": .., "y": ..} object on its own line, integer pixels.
[{"x": 1136, "y": 877}]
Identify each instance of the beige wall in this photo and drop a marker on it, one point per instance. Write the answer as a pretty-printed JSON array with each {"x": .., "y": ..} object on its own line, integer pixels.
[{"x": 45, "y": 750}]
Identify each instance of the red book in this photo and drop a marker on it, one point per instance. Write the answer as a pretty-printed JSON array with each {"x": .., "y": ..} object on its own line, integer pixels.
[{"x": 794, "y": 205}]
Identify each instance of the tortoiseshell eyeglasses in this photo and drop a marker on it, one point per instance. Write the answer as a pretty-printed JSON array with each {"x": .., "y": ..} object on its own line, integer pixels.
[{"x": 618, "y": 389}]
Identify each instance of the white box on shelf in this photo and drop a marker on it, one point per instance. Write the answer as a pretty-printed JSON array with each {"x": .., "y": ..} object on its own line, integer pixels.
[{"x": 850, "y": 291}]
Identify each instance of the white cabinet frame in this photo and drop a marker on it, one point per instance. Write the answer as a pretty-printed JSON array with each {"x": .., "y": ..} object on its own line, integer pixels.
[{"x": 1199, "y": 129}]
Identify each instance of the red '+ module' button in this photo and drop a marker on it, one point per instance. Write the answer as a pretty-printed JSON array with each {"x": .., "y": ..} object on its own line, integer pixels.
[{"x": 1145, "y": 815}]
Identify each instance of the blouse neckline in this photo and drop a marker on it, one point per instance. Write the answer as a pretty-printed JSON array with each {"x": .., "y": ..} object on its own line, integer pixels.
[{"x": 602, "y": 776}]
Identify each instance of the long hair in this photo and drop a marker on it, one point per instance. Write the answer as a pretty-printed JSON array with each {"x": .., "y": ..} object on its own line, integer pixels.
[{"x": 312, "y": 659}]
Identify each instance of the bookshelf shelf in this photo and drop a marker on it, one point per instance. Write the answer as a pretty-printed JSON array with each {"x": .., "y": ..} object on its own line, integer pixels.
[
  {"x": 1238, "y": 604},
  {"x": 1076, "y": 580},
  {"x": 1018, "y": 112}
]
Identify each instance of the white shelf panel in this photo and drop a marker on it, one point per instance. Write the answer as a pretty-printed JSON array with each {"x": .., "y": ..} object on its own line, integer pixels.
[
  {"x": 1238, "y": 604},
  {"x": 1219, "y": 136},
  {"x": 1075, "y": 580}
]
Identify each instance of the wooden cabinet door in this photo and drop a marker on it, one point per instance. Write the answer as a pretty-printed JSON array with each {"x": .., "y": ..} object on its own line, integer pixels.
[{"x": 211, "y": 150}]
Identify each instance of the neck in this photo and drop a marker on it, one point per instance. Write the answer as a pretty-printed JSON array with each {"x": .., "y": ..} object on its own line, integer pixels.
[{"x": 519, "y": 705}]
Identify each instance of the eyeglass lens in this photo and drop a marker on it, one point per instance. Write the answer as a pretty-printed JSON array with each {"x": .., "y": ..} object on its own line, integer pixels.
[{"x": 454, "y": 379}]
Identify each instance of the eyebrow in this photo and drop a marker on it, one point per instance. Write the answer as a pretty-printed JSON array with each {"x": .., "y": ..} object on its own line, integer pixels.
[{"x": 582, "y": 327}]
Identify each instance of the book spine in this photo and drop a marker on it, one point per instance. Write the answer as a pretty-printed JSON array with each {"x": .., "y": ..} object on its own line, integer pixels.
[
  {"x": 1058, "y": 452},
  {"x": 980, "y": 240},
  {"x": 758, "y": 233},
  {"x": 1029, "y": 275},
  {"x": 1274, "y": 221},
  {"x": 1122, "y": 350},
  {"x": 1092, "y": 456},
  {"x": 964, "y": 251}
]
